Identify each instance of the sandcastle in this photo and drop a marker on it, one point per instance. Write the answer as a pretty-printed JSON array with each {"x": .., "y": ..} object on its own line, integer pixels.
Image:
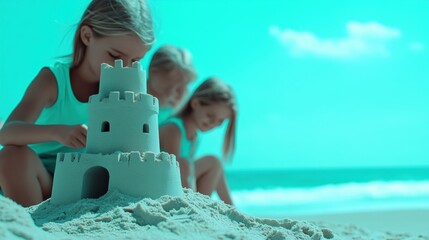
[{"x": 122, "y": 150}]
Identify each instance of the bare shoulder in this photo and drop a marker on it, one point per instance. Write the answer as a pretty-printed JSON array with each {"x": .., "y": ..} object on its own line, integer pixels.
[
  {"x": 46, "y": 84},
  {"x": 170, "y": 131},
  {"x": 41, "y": 92}
]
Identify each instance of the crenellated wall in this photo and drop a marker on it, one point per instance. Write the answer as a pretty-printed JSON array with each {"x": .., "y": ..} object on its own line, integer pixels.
[
  {"x": 141, "y": 175},
  {"x": 123, "y": 123},
  {"x": 119, "y": 78}
]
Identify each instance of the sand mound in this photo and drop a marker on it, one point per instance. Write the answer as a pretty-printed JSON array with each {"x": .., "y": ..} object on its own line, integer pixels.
[{"x": 118, "y": 216}]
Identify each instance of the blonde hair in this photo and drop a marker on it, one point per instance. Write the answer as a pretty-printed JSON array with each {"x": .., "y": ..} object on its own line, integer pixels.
[
  {"x": 114, "y": 18},
  {"x": 168, "y": 58},
  {"x": 213, "y": 91}
]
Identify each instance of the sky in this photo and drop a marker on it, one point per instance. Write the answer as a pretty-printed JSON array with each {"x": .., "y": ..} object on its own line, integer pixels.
[{"x": 320, "y": 84}]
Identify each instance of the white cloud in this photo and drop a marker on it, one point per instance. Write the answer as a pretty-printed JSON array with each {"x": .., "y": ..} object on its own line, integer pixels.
[
  {"x": 371, "y": 30},
  {"x": 417, "y": 46},
  {"x": 362, "y": 39}
]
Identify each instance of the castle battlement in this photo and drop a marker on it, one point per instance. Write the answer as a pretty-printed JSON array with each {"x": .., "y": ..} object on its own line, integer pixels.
[
  {"x": 69, "y": 157},
  {"x": 134, "y": 156},
  {"x": 126, "y": 97},
  {"x": 120, "y": 78}
]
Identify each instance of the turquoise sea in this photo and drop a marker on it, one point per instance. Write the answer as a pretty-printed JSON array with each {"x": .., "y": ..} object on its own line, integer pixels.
[{"x": 278, "y": 193}]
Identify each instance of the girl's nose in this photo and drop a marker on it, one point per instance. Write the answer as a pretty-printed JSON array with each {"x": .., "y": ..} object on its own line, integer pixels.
[
  {"x": 125, "y": 62},
  {"x": 128, "y": 63}
]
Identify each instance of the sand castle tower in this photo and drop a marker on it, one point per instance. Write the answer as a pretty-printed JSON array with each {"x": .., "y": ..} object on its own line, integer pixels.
[{"x": 122, "y": 144}]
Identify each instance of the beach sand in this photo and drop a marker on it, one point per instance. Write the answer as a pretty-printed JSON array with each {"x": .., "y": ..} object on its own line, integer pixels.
[
  {"x": 414, "y": 221},
  {"x": 193, "y": 216}
]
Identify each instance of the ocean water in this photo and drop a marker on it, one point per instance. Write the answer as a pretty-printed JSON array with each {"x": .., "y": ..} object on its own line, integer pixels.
[{"x": 279, "y": 193}]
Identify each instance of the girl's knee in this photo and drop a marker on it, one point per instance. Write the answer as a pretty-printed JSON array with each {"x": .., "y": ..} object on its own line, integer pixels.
[
  {"x": 208, "y": 165},
  {"x": 13, "y": 157},
  {"x": 215, "y": 162}
]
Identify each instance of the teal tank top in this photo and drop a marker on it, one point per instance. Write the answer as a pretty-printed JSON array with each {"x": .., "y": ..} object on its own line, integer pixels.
[
  {"x": 187, "y": 147},
  {"x": 66, "y": 110}
]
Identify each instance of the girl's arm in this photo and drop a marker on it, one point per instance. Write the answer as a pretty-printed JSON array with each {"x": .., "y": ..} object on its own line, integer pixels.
[
  {"x": 19, "y": 128},
  {"x": 170, "y": 140}
]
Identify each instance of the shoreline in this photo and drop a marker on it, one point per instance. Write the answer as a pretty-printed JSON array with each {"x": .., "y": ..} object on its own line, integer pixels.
[{"x": 395, "y": 220}]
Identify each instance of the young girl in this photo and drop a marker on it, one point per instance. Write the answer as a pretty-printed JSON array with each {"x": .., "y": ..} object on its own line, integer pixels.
[
  {"x": 170, "y": 72},
  {"x": 50, "y": 117},
  {"x": 211, "y": 103}
]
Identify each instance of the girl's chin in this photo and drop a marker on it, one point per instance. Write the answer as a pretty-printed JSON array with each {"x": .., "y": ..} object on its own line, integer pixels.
[{"x": 204, "y": 128}]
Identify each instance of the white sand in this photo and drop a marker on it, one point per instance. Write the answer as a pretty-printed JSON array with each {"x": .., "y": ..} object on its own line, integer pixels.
[
  {"x": 414, "y": 221},
  {"x": 194, "y": 216}
]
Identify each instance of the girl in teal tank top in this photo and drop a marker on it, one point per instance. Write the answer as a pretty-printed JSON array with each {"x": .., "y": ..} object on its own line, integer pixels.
[
  {"x": 212, "y": 103},
  {"x": 51, "y": 116}
]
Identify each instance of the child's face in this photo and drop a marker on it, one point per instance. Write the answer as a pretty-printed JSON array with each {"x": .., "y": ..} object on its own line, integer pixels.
[
  {"x": 171, "y": 87},
  {"x": 99, "y": 50},
  {"x": 208, "y": 117}
]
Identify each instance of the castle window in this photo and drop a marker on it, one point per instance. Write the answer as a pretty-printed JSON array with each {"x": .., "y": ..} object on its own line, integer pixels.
[
  {"x": 145, "y": 128},
  {"x": 105, "y": 127}
]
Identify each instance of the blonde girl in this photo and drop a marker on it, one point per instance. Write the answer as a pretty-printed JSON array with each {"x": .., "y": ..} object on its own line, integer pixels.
[
  {"x": 170, "y": 71},
  {"x": 210, "y": 105},
  {"x": 51, "y": 116}
]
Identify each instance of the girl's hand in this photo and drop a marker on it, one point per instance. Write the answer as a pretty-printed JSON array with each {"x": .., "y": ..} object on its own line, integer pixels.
[{"x": 72, "y": 135}]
